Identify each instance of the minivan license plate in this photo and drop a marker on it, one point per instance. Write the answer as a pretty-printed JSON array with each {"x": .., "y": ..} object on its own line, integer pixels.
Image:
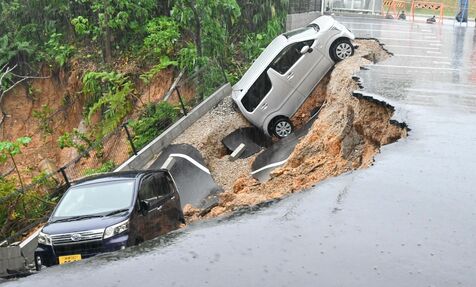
[{"x": 69, "y": 258}]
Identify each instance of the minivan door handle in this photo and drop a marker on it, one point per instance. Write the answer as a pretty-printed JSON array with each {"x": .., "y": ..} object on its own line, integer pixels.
[
  {"x": 290, "y": 76},
  {"x": 264, "y": 106}
]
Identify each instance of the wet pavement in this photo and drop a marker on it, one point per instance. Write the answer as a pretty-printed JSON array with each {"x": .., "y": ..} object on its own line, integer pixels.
[{"x": 409, "y": 220}]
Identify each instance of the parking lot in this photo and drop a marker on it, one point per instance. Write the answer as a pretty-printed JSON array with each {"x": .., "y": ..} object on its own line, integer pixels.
[{"x": 408, "y": 220}]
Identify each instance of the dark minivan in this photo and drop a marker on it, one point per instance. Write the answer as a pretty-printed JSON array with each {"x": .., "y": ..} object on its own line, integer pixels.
[{"x": 108, "y": 212}]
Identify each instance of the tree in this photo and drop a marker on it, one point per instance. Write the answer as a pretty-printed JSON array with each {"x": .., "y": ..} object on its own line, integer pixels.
[
  {"x": 8, "y": 81},
  {"x": 210, "y": 18},
  {"x": 8, "y": 150}
]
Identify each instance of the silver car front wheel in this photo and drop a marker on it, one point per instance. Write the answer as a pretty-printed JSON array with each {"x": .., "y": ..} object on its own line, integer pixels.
[{"x": 341, "y": 49}]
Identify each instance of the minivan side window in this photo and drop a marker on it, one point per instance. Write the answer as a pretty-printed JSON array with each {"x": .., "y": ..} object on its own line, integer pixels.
[
  {"x": 162, "y": 186},
  {"x": 257, "y": 92},
  {"x": 289, "y": 56},
  {"x": 147, "y": 189}
]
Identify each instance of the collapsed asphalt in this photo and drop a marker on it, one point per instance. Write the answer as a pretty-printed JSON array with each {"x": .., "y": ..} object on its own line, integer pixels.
[{"x": 409, "y": 220}]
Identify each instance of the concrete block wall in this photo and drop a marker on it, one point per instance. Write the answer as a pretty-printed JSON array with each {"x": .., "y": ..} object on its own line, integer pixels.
[
  {"x": 10, "y": 258},
  {"x": 294, "y": 21},
  {"x": 145, "y": 155}
]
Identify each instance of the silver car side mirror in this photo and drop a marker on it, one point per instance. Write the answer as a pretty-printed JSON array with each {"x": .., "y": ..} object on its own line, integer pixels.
[{"x": 306, "y": 49}]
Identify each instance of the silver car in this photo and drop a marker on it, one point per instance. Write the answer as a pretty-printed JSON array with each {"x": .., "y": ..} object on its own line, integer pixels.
[{"x": 283, "y": 76}]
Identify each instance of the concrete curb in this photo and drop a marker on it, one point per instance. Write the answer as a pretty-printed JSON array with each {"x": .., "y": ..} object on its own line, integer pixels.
[{"x": 147, "y": 153}]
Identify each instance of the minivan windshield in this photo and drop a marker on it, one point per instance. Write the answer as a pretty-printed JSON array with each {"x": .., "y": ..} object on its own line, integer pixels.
[{"x": 96, "y": 199}]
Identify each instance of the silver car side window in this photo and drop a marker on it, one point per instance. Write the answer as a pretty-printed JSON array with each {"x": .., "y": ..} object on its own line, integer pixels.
[
  {"x": 289, "y": 56},
  {"x": 257, "y": 92}
]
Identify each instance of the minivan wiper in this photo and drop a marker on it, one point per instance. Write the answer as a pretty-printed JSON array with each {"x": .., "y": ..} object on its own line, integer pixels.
[
  {"x": 74, "y": 218},
  {"x": 117, "y": 211}
]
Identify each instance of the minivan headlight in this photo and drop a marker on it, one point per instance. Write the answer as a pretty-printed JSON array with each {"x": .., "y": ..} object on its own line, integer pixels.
[
  {"x": 116, "y": 229},
  {"x": 44, "y": 238}
]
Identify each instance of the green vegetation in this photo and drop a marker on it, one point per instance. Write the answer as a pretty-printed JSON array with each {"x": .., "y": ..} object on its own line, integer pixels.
[
  {"x": 44, "y": 118},
  {"x": 105, "y": 167},
  {"x": 154, "y": 120},
  {"x": 75, "y": 139},
  {"x": 210, "y": 40}
]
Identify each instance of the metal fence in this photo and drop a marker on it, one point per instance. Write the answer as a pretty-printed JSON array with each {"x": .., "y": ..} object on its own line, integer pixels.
[
  {"x": 303, "y": 6},
  {"x": 185, "y": 93}
]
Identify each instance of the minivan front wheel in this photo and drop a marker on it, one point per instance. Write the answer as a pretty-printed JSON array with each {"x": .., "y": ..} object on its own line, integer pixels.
[
  {"x": 341, "y": 49},
  {"x": 281, "y": 127}
]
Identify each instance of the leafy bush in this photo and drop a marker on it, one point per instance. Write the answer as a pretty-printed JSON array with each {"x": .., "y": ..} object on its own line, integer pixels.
[
  {"x": 105, "y": 167},
  {"x": 165, "y": 62},
  {"x": 75, "y": 139},
  {"x": 163, "y": 34},
  {"x": 44, "y": 118},
  {"x": 154, "y": 120},
  {"x": 108, "y": 93},
  {"x": 56, "y": 51}
]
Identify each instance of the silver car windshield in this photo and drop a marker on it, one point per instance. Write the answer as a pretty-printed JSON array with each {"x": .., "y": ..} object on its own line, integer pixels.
[{"x": 96, "y": 198}]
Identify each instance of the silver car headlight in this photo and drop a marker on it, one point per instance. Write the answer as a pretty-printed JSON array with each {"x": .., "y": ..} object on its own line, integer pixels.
[
  {"x": 44, "y": 238},
  {"x": 116, "y": 229}
]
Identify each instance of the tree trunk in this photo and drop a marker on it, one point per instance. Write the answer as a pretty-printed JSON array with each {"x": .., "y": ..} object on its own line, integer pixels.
[{"x": 107, "y": 34}]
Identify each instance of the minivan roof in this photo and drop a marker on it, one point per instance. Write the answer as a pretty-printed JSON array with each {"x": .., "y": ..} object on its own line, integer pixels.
[{"x": 112, "y": 176}]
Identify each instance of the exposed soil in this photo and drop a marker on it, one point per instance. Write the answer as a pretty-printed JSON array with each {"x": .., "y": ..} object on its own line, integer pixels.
[
  {"x": 61, "y": 91},
  {"x": 346, "y": 136}
]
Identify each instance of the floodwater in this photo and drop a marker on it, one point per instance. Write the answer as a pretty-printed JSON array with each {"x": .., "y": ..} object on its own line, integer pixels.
[{"x": 409, "y": 220}]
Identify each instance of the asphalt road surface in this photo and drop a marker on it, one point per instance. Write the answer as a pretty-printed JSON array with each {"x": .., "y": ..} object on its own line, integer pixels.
[{"x": 409, "y": 220}]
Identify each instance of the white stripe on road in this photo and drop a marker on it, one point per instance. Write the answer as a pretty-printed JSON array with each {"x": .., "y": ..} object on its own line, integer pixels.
[
  {"x": 391, "y": 31},
  {"x": 441, "y": 63},
  {"x": 433, "y": 52},
  {"x": 412, "y": 67},
  {"x": 410, "y": 47},
  {"x": 270, "y": 166},
  {"x": 432, "y": 42},
  {"x": 458, "y": 93},
  {"x": 191, "y": 160},
  {"x": 420, "y": 56}
]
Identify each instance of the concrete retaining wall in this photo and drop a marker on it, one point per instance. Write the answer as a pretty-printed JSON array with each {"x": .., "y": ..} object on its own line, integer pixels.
[
  {"x": 154, "y": 148},
  {"x": 294, "y": 21},
  {"x": 10, "y": 258}
]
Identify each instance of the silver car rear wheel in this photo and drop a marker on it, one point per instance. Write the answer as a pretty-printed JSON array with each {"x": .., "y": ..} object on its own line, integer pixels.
[{"x": 281, "y": 128}]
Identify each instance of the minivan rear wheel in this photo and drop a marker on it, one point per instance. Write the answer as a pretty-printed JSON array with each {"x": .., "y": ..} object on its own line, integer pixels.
[
  {"x": 341, "y": 49},
  {"x": 281, "y": 127}
]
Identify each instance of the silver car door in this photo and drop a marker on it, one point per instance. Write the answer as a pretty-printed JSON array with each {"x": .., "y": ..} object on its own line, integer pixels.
[
  {"x": 283, "y": 98},
  {"x": 293, "y": 68},
  {"x": 312, "y": 69}
]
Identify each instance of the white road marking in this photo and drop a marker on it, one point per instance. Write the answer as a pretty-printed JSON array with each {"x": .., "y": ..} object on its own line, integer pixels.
[
  {"x": 458, "y": 93},
  {"x": 442, "y": 63},
  {"x": 391, "y": 31},
  {"x": 433, "y": 52},
  {"x": 420, "y": 56},
  {"x": 434, "y": 42},
  {"x": 191, "y": 160},
  {"x": 412, "y": 67},
  {"x": 411, "y": 47},
  {"x": 270, "y": 166}
]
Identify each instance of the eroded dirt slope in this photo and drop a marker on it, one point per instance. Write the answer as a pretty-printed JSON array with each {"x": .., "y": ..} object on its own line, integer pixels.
[{"x": 346, "y": 136}]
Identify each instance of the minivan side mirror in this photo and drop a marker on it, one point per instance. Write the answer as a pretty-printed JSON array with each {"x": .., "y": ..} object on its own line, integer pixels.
[
  {"x": 306, "y": 49},
  {"x": 144, "y": 206}
]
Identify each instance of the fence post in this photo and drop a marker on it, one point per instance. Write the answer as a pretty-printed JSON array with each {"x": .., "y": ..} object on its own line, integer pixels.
[
  {"x": 129, "y": 138},
  {"x": 63, "y": 173},
  {"x": 184, "y": 110}
]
